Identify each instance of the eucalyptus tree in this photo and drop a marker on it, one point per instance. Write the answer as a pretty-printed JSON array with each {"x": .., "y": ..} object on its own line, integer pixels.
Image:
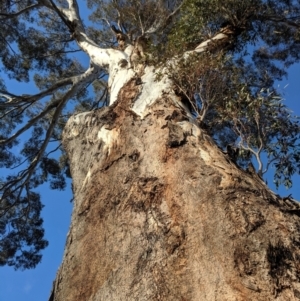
[{"x": 192, "y": 104}]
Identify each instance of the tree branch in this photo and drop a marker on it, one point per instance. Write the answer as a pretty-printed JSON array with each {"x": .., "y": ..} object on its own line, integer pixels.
[
  {"x": 277, "y": 19},
  {"x": 13, "y": 15},
  {"x": 90, "y": 75},
  {"x": 60, "y": 13},
  {"x": 100, "y": 57},
  {"x": 14, "y": 100},
  {"x": 260, "y": 164},
  {"x": 30, "y": 123},
  {"x": 161, "y": 24},
  {"x": 221, "y": 36}
]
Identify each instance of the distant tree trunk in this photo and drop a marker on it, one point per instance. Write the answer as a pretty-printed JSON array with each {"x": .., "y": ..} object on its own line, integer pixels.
[{"x": 161, "y": 213}]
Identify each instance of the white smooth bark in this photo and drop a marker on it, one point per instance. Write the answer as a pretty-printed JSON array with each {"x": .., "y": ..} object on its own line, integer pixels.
[{"x": 118, "y": 64}]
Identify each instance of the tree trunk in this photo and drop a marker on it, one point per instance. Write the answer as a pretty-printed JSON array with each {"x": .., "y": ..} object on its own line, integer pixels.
[{"x": 161, "y": 213}]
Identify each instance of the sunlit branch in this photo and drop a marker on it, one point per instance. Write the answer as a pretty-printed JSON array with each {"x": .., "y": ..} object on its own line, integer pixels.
[
  {"x": 99, "y": 56},
  {"x": 224, "y": 36},
  {"x": 141, "y": 24},
  {"x": 120, "y": 25},
  {"x": 204, "y": 45},
  {"x": 244, "y": 142},
  {"x": 245, "y": 146},
  {"x": 204, "y": 110},
  {"x": 60, "y": 13}
]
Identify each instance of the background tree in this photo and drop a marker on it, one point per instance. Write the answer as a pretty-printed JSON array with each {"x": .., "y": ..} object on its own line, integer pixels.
[{"x": 221, "y": 77}]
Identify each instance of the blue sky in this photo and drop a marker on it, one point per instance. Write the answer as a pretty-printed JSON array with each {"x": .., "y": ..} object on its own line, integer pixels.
[{"x": 35, "y": 285}]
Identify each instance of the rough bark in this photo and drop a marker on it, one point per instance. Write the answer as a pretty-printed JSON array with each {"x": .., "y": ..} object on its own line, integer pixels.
[{"x": 160, "y": 213}]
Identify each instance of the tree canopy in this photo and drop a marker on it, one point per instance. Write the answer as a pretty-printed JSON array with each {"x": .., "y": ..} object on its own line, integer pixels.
[{"x": 223, "y": 58}]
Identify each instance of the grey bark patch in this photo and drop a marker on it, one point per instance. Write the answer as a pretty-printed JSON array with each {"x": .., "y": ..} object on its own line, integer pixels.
[
  {"x": 280, "y": 258},
  {"x": 297, "y": 294},
  {"x": 176, "y": 135},
  {"x": 134, "y": 155},
  {"x": 123, "y": 63}
]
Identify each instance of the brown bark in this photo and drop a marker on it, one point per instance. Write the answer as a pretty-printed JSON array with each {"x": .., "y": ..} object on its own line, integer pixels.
[{"x": 165, "y": 215}]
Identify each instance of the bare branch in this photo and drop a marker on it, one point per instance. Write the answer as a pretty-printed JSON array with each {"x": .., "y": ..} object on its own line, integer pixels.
[
  {"x": 30, "y": 123},
  {"x": 7, "y": 95},
  {"x": 204, "y": 110},
  {"x": 190, "y": 101},
  {"x": 286, "y": 21},
  {"x": 54, "y": 150},
  {"x": 13, "y": 15},
  {"x": 218, "y": 41},
  {"x": 8, "y": 44},
  {"x": 162, "y": 23},
  {"x": 141, "y": 24},
  {"x": 268, "y": 165},
  {"x": 14, "y": 100},
  {"x": 62, "y": 17},
  {"x": 24, "y": 176},
  {"x": 204, "y": 45},
  {"x": 91, "y": 74},
  {"x": 54, "y": 53},
  {"x": 103, "y": 96},
  {"x": 19, "y": 108},
  {"x": 260, "y": 165}
]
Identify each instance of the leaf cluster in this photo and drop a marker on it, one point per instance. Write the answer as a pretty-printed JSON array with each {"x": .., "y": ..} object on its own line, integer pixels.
[{"x": 231, "y": 90}]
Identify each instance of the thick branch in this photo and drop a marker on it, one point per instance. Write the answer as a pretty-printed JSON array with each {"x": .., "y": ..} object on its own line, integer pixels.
[
  {"x": 104, "y": 58},
  {"x": 224, "y": 36},
  {"x": 60, "y": 13}
]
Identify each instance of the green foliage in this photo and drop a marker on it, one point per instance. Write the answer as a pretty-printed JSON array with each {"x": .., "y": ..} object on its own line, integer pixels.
[
  {"x": 21, "y": 244},
  {"x": 229, "y": 88},
  {"x": 34, "y": 45}
]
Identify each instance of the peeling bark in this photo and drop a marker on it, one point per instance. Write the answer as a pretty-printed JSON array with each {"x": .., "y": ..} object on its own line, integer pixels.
[{"x": 160, "y": 213}]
